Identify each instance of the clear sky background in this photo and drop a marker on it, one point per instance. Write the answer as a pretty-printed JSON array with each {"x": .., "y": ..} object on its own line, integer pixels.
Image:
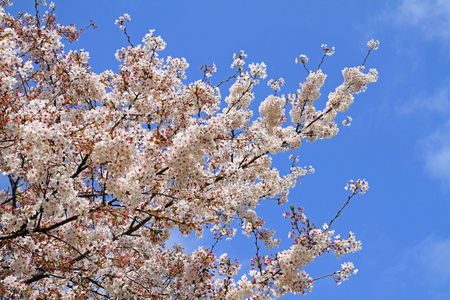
[{"x": 399, "y": 140}]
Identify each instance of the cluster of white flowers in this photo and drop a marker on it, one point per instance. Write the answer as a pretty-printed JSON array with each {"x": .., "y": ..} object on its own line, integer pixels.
[
  {"x": 344, "y": 246},
  {"x": 360, "y": 185},
  {"x": 276, "y": 84},
  {"x": 258, "y": 71},
  {"x": 347, "y": 269},
  {"x": 241, "y": 94},
  {"x": 155, "y": 43},
  {"x": 272, "y": 108},
  {"x": 372, "y": 44},
  {"x": 122, "y": 19},
  {"x": 302, "y": 105},
  {"x": 238, "y": 59},
  {"x": 356, "y": 81},
  {"x": 209, "y": 70},
  {"x": 328, "y": 51},
  {"x": 302, "y": 59},
  {"x": 226, "y": 268},
  {"x": 347, "y": 122}
]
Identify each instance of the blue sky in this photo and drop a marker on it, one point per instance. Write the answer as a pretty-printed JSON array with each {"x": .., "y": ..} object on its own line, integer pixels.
[{"x": 399, "y": 140}]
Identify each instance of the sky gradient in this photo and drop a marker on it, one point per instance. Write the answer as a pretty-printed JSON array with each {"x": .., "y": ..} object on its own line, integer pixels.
[{"x": 399, "y": 139}]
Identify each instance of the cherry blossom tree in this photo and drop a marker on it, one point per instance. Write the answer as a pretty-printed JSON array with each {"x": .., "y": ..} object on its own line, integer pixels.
[{"x": 104, "y": 167}]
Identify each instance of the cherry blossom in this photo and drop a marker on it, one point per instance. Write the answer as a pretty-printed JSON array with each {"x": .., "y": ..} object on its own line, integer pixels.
[
  {"x": 372, "y": 44},
  {"x": 360, "y": 185},
  {"x": 103, "y": 167}
]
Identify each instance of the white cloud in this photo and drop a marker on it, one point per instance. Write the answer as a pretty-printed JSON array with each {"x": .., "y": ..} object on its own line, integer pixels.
[
  {"x": 436, "y": 102},
  {"x": 426, "y": 264},
  {"x": 433, "y": 255},
  {"x": 437, "y": 155},
  {"x": 431, "y": 17},
  {"x": 434, "y": 108}
]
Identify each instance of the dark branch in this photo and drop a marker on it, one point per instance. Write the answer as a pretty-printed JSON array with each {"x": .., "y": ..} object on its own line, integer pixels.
[{"x": 81, "y": 167}]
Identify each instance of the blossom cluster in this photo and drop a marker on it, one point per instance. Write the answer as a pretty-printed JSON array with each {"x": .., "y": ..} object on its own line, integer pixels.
[
  {"x": 361, "y": 185},
  {"x": 302, "y": 59},
  {"x": 103, "y": 167},
  {"x": 276, "y": 84},
  {"x": 372, "y": 44},
  {"x": 122, "y": 19},
  {"x": 328, "y": 51}
]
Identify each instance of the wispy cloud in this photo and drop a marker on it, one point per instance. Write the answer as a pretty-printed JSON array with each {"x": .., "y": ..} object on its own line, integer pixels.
[
  {"x": 434, "y": 108},
  {"x": 423, "y": 101},
  {"x": 436, "y": 150},
  {"x": 427, "y": 264},
  {"x": 433, "y": 256},
  {"x": 431, "y": 17}
]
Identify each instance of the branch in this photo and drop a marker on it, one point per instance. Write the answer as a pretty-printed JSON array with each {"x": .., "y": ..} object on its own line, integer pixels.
[
  {"x": 367, "y": 56},
  {"x": 36, "y": 277},
  {"x": 249, "y": 88},
  {"x": 14, "y": 184},
  {"x": 61, "y": 240},
  {"x": 339, "y": 212},
  {"x": 223, "y": 81},
  {"x": 321, "y": 62},
  {"x": 81, "y": 256},
  {"x": 133, "y": 228},
  {"x": 318, "y": 118},
  {"x": 243, "y": 166},
  {"x": 81, "y": 167},
  {"x": 328, "y": 275}
]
